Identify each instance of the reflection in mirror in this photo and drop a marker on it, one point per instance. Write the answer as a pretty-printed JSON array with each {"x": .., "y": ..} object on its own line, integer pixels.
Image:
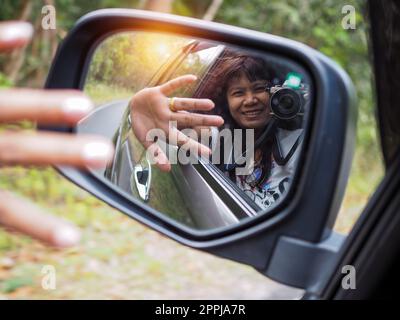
[{"x": 205, "y": 133}]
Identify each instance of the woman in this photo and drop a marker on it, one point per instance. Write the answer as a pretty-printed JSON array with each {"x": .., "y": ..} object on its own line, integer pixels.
[
  {"x": 242, "y": 100},
  {"x": 238, "y": 86}
]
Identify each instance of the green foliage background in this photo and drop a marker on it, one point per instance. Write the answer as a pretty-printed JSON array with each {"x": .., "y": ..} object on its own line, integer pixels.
[{"x": 314, "y": 22}]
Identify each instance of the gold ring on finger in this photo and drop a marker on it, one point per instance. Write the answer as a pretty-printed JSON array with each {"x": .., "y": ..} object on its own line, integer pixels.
[{"x": 172, "y": 104}]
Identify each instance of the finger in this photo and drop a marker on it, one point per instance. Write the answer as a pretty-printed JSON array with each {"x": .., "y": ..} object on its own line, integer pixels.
[
  {"x": 187, "y": 119},
  {"x": 174, "y": 84},
  {"x": 202, "y": 130},
  {"x": 14, "y": 34},
  {"x": 187, "y": 143},
  {"x": 155, "y": 153},
  {"x": 191, "y": 104},
  {"x": 196, "y": 128},
  {"x": 158, "y": 157},
  {"x": 44, "y": 106},
  {"x": 22, "y": 216},
  {"x": 54, "y": 149}
]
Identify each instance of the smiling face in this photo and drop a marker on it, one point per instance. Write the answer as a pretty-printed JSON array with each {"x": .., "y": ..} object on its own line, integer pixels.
[{"x": 248, "y": 102}]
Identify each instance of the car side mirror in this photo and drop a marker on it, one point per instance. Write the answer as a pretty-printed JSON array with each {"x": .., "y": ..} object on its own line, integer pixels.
[{"x": 257, "y": 209}]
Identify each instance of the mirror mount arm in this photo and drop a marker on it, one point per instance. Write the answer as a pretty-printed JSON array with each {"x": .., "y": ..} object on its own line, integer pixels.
[{"x": 288, "y": 264}]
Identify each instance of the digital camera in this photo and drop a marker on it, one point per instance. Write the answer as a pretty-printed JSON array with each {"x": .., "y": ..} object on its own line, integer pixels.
[{"x": 288, "y": 103}]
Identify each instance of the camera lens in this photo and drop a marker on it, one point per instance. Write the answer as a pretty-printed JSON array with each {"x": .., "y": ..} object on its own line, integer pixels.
[{"x": 285, "y": 103}]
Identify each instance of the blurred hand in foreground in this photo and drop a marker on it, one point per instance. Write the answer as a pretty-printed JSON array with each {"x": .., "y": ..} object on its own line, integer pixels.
[{"x": 59, "y": 107}]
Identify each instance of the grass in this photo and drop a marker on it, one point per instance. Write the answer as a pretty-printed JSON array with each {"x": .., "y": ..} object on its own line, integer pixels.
[{"x": 102, "y": 93}]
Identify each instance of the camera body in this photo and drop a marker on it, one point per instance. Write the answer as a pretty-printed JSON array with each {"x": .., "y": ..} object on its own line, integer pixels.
[{"x": 288, "y": 103}]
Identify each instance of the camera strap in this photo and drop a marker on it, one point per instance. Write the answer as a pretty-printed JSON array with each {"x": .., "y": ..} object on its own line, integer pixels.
[
  {"x": 278, "y": 153},
  {"x": 268, "y": 131}
]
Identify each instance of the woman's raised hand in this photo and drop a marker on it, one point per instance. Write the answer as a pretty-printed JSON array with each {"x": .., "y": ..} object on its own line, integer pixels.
[{"x": 152, "y": 108}]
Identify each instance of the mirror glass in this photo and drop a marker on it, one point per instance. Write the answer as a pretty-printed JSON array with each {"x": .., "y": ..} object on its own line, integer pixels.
[{"x": 205, "y": 133}]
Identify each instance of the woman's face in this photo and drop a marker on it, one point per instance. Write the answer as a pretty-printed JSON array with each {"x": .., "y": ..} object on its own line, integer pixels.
[{"x": 248, "y": 102}]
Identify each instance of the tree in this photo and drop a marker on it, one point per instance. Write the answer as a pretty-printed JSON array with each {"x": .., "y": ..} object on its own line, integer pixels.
[{"x": 212, "y": 10}]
